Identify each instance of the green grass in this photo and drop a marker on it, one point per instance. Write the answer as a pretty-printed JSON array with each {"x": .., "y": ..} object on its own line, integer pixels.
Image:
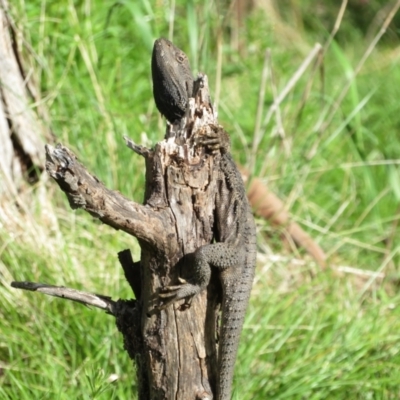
[{"x": 308, "y": 334}]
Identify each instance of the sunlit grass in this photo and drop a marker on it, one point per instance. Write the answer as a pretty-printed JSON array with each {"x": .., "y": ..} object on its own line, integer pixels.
[{"x": 308, "y": 334}]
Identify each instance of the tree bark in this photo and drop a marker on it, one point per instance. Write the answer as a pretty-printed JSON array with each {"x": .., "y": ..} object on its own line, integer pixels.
[
  {"x": 175, "y": 349},
  {"x": 21, "y": 144}
]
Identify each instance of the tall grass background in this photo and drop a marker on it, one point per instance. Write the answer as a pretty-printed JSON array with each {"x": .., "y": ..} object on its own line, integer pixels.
[{"x": 330, "y": 149}]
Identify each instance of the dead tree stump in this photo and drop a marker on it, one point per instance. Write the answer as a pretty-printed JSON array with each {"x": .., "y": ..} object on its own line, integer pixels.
[{"x": 175, "y": 350}]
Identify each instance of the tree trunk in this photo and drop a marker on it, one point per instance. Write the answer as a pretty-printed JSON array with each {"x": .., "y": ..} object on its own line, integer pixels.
[
  {"x": 21, "y": 145},
  {"x": 175, "y": 349}
]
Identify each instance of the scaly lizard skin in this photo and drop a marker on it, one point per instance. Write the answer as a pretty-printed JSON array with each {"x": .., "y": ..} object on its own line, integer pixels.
[
  {"x": 234, "y": 254},
  {"x": 172, "y": 79}
]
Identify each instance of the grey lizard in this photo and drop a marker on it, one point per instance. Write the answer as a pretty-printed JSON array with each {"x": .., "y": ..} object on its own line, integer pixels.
[{"x": 234, "y": 253}]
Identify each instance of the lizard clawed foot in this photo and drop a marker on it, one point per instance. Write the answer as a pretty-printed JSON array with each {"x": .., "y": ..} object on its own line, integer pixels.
[
  {"x": 214, "y": 141},
  {"x": 211, "y": 141},
  {"x": 173, "y": 293},
  {"x": 172, "y": 288}
]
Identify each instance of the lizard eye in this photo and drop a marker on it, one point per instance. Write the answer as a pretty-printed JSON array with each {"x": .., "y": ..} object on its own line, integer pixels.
[{"x": 181, "y": 59}]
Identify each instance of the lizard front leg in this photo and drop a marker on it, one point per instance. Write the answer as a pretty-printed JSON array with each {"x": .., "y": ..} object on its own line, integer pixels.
[{"x": 220, "y": 255}]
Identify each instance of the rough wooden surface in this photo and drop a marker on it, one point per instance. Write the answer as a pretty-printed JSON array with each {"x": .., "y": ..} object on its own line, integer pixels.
[
  {"x": 175, "y": 349},
  {"x": 21, "y": 146}
]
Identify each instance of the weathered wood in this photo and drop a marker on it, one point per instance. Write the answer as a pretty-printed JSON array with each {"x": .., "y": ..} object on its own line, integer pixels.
[
  {"x": 178, "y": 356},
  {"x": 21, "y": 145},
  {"x": 85, "y": 191},
  {"x": 89, "y": 299},
  {"x": 175, "y": 349}
]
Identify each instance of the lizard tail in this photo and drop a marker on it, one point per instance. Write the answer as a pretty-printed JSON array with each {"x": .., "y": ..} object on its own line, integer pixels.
[{"x": 233, "y": 313}]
